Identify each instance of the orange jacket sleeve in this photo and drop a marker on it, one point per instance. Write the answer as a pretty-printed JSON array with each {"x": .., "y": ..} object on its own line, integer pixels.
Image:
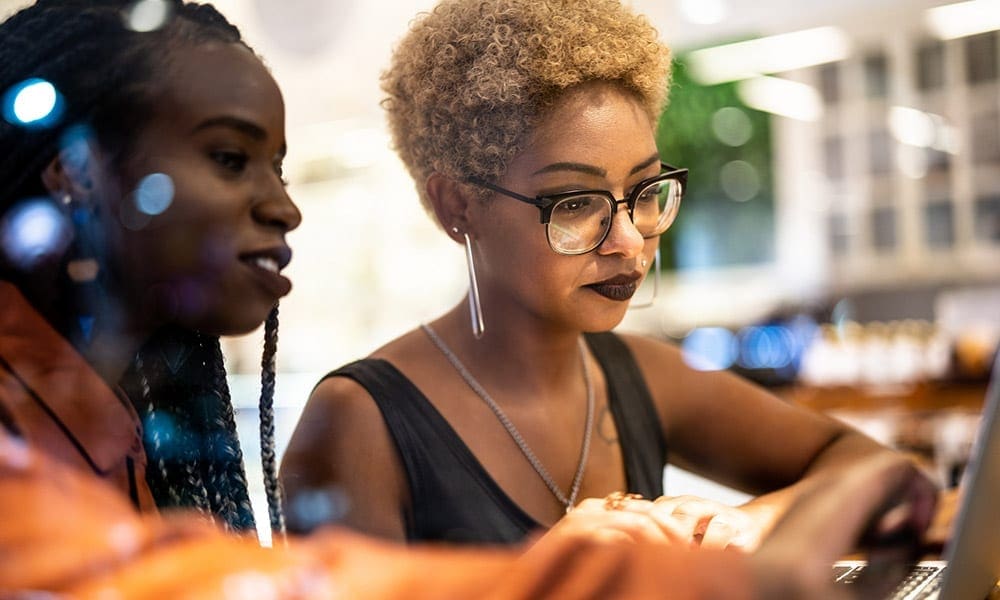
[{"x": 66, "y": 532}]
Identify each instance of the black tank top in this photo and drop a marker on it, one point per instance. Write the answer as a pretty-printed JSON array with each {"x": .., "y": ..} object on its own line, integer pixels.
[{"x": 454, "y": 499}]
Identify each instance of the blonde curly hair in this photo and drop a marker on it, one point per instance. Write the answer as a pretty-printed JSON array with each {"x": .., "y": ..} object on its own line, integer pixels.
[{"x": 471, "y": 79}]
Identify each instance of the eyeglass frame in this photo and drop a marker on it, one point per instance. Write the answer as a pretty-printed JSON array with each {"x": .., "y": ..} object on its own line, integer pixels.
[{"x": 545, "y": 203}]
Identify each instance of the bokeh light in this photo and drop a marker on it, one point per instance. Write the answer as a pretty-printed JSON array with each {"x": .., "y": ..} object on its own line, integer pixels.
[
  {"x": 32, "y": 231},
  {"x": 159, "y": 430},
  {"x": 740, "y": 180},
  {"x": 704, "y": 12},
  {"x": 766, "y": 347},
  {"x": 32, "y": 103},
  {"x": 732, "y": 126},
  {"x": 147, "y": 15},
  {"x": 312, "y": 508},
  {"x": 710, "y": 349},
  {"x": 154, "y": 194}
]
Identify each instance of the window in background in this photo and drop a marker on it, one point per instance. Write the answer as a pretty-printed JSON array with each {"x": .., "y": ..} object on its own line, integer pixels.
[
  {"x": 880, "y": 147},
  {"x": 829, "y": 83},
  {"x": 882, "y": 218},
  {"x": 883, "y": 228},
  {"x": 833, "y": 158},
  {"x": 985, "y": 131},
  {"x": 939, "y": 210},
  {"x": 839, "y": 235},
  {"x": 876, "y": 76},
  {"x": 981, "y": 57},
  {"x": 939, "y": 225},
  {"x": 930, "y": 66},
  {"x": 938, "y": 162},
  {"x": 988, "y": 218}
]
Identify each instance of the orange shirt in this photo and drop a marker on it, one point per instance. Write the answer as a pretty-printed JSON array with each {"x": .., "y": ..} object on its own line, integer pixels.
[
  {"x": 67, "y": 524},
  {"x": 60, "y": 404}
]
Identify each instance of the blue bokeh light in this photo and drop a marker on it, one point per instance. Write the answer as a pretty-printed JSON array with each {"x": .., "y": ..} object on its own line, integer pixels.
[
  {"x": 710, "y": 349},
  {"x": 33, "y": 103},
  {"x": 154, "y": 194},
  {"x": 33, "y": 230},
  {"x": 766, "y": 347}
]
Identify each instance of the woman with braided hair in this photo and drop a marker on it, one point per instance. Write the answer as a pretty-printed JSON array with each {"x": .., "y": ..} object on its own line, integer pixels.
[
  {"x": 150, "y": 301},
  {"x": 142, "y": 214}
]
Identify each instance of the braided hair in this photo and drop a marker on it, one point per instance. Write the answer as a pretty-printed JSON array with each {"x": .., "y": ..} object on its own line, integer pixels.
[{"x": 107, "y": 74}]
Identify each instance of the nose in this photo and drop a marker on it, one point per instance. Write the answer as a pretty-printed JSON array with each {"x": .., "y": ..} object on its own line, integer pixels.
[
  {"x": 278, "y": 210},
  {"x": 623, "y": 238}
]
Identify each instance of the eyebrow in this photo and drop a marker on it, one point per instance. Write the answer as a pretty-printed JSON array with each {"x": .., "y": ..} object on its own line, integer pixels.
[
  {"x": 242, "y": 125},
  {"x": 592, "y": 170},
  {"x": 245, "y": 127}
]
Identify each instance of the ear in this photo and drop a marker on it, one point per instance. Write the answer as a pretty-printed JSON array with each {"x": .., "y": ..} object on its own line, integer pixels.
[
  {"x": 70, "y": 173},
  {"x": 450, "y": 202}
]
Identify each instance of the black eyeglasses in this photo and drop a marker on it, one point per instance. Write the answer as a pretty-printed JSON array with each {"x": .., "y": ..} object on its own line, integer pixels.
[{"x": 577, "y": 222}]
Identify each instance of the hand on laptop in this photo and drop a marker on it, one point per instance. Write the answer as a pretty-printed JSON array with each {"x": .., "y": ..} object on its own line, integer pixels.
[
  {"x": 883, "y": 505},
  {"x": 680, "y": 520},
  {"x": 941, "y": 527}
]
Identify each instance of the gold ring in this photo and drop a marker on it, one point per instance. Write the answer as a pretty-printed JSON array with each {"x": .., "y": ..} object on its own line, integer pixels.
[{"x": 617, "y": 500}]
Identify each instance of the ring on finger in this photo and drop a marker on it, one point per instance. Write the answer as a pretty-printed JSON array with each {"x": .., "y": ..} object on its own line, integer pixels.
[{"x": 617, "y": 500}]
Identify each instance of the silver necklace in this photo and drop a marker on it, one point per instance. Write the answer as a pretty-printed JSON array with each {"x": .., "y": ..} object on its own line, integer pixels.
[{"x": 515, "y": 434}]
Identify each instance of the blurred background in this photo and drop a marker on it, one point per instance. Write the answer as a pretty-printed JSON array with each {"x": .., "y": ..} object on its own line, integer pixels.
[{"x": 839, "y": 241}]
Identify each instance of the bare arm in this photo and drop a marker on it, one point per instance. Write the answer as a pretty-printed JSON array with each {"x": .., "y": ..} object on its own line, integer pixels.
[
  {"x": 732, "y": 431},
  {"x": 341, "y": 465},
  {"x": 77, "y": 536}
]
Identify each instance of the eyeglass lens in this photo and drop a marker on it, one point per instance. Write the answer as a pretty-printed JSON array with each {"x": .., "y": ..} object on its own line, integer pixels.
[{"x": 579, "y": 223}]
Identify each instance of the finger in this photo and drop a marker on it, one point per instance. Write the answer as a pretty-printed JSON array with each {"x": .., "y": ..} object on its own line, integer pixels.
[
  {"x": 672, "y": 502},
  {"x": 835, "y": 511},
  {"x": 718, "y": 533},
  {"x": 696, "y": 514},
  {"x": 685, "y": 526},
  {"x": 636, "y": 526},
  {"x": 672, "y": 529}
]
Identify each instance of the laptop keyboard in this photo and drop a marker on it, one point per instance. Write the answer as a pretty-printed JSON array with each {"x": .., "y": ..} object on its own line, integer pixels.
[{"x": 921, "y": 583}]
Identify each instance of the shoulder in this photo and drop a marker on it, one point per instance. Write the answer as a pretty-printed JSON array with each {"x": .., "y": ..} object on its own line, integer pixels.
[
  {"x": 339, "y": 407},
  {"x": 342, "y": 442},
  {"x": 650, "y": 354}
]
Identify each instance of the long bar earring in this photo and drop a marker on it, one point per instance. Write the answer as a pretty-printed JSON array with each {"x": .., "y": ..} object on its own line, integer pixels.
[{"x": 475, "y": 308}]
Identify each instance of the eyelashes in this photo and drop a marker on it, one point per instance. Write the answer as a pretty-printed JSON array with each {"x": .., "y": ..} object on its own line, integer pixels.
[{"x": 235, "y": 162}]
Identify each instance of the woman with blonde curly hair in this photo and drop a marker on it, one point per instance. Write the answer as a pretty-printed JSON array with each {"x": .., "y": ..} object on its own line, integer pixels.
[{"x": 528, "y": 127}]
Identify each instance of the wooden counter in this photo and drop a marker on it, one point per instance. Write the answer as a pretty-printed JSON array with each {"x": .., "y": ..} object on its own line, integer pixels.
[{"x": 919, "y": 397}]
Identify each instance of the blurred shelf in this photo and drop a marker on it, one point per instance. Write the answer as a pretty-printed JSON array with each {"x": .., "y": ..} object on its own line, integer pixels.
[{"x": 919, "y": 397}]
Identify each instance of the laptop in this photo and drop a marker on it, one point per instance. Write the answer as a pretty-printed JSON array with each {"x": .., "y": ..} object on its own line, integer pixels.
[{"x": 971, "y": 564}]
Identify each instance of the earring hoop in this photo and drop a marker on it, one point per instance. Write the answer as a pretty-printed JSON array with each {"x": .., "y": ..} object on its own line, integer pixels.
[{"x": 475, "y": 308}]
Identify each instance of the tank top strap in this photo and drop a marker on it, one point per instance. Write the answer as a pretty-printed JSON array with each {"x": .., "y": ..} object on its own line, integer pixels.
[
  {"x": 453, "y": 497},
  {"x": 643, "y": 446}
]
